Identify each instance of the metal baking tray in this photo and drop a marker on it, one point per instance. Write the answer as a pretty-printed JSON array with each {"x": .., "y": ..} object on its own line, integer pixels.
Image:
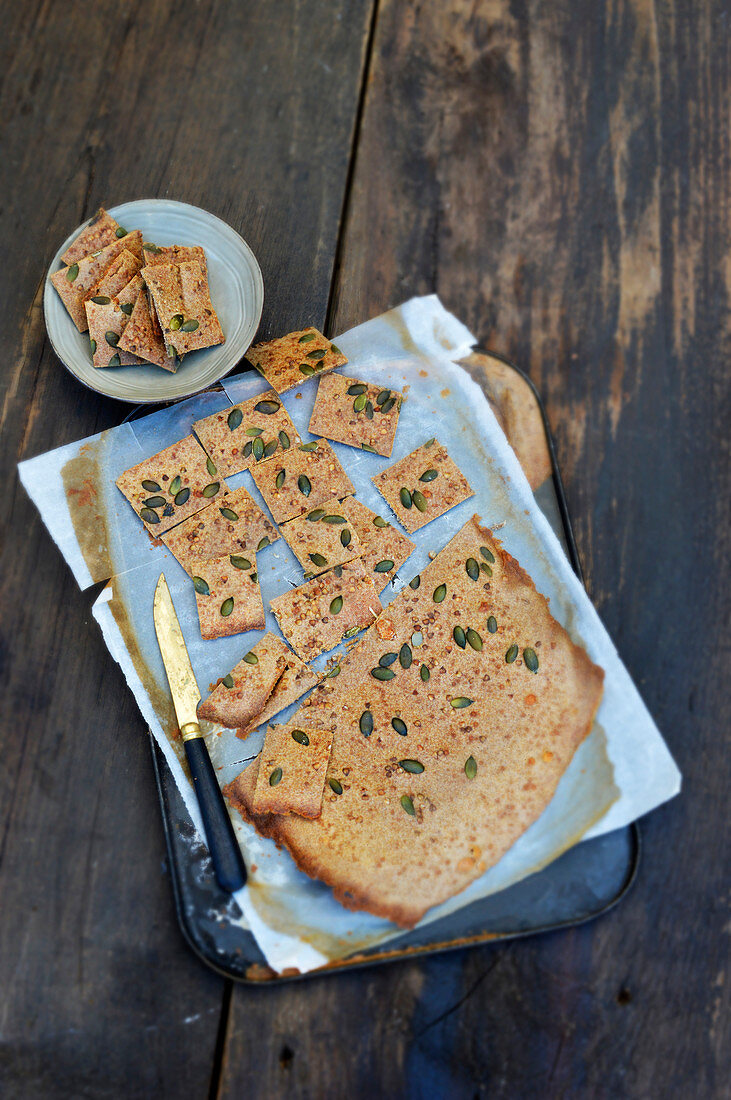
[{"x": 582, "y": 884}]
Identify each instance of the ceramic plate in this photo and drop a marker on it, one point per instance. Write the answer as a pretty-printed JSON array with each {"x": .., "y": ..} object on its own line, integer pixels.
[{"x": 237, "y": 293}]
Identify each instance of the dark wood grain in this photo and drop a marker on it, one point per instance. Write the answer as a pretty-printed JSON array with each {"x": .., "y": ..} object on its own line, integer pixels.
[{"x": 249, "y": 112}]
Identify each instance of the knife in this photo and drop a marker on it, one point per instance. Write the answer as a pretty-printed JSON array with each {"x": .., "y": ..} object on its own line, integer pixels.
[{"x": 228, "y": 863}]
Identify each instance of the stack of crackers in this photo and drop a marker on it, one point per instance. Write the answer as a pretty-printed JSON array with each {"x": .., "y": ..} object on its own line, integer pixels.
[{"x": 139, "y": 302}]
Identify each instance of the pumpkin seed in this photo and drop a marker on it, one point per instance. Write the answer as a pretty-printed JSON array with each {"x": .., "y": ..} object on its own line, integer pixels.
[
  {"x": 413, "y": 767},
  {"x": 384, "y": 566},
  {"x": 334, "y": 519},
  {"x": 247, "y": 448},
  {"x": 120, "y": 232},
  {"x": 275, "y": 777},
  {"x": 367, "y": 447},
  {"x": 201, "y": 586},
  {"x": 459, "y": 636},
  {"x": 415, "y": 582},
  {"x": 150, "y": 247},
  {"x": 262, "y": 543},
  {"x": 306, "y": 369},
  {"x": 253, "y": 431},
  {"x": 227, "y": 606},
  {"x": 257, "y": 448},
  {"x": 304, "y": 485},
  {"x": 345, "y": 537},
  {"x": 419, "y": 500},
  {"x": 388, "y": 406},
  {"x": 429, "y": 475},
  {"x": 485, "y": 568},
  {"x": 306, "y": 338},
  {"x": 335, "y": 349},
  {"x": 284, "y": 441},
  {"x": 338, "y": 571},
  {"x": 267, "y": 407},
  {"x": 531, "y": 659},
  {"x": 101, "y": 300},
  {"x": 254, "y": 578},
  {"x": 189, "y": 326},
  {"x": 366, "y": 723},
  {"x": 234, "y": 419},
  {"x": 424, "y": 673},
  {"x": 316, "y": 514},
  {"x": 334, "y": 671},
  {"x": 487, "y": 554},
  {"x": 336, "y": 606},
  {"x": 383, "y": 397},
  {"x": 318, "y": 559},
  {"x": 155, "y": 502},
  {"x": 439, "y": 593},
  {"x": 211, "y": 468},
  {"x": 356, "y": 389},
  {"x": 251, "y": 658},
  {"x": 168, "y": 510},
  {"x": 417, "y": 639},
  {"x": 400, "y": 726},
  {"x": 405, "y": 497},
  {"x": 279, "y": 479},
  {"x": 511, "y": 654},
  {"x": 379, "y": 521},
  {"x": 112, "y": 338},
  {"x": 176, "y": 321},
  {"x": 212, "y": 489},
  {"x": 151, "y": 486},
  {"x": 271, "y": 448},
  {"x": 181, "y": 497},
  {"x": 430, "y": 442},
  {"x": 492, "y": 624},
  {"x": 405, "y": 655},
  {"x": 175, "y": 485},
  {"x": 360, "y": 403},
  {"x": 300, "y": 737},
  {"x": 460, "y": 702},
  {"x": 382, "y": 673},
  {"x": 470, "y": 767},
  {"x": 228, "y": 513},
  {"x": 474, "y": 639},
  {"x": 387, "y": 659},
  {"x": 408, "y": 805},
  {"x": 149, "y": 516},
  {"x": 92, "y": 345},
  {"x": 369, "y": 410},
  {"x": 72, "y": 272},
  {"x": 335, "y": 786},
  {"x": 127, "y": 308},
  {"x": 228, "y": 681},
  {"x": 317, "y": 354},
  {"x": 308, "y": 446},
  {"x": 239, "y": 562},
  {"x": 472, "y": 569},
  {"x": 115, "y": 361}
]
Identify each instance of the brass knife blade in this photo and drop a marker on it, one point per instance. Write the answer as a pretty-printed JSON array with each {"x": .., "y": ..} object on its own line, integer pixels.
[{"x": 183, "y": 686}]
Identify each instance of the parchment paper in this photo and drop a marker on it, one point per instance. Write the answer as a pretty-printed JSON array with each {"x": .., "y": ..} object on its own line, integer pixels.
[{"x": 623, "y": 769}]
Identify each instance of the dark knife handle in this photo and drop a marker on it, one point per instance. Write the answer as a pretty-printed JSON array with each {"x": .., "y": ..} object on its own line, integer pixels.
[{"x": 228, "y": 863}]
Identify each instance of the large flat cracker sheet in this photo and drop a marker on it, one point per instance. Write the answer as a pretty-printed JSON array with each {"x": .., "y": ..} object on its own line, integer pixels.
[{"x": 623, "y": 769}]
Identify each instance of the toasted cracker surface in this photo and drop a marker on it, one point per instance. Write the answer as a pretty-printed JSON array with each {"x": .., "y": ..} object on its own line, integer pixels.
[
  {"x": 292, "y": 768},
  {"x": 431, "y": 481},
  {"x": 75, "y": 282},
  {"x": 322, "y": 538},
  {"x": 98, "y": 232},
  {"x": 301, "y": 479},
  {"x": 141, "y": 338},
  {"x": 182, "y": 299},
  {"x": 230, "y": 436},
  {"x": 241, "y": 695},
  {"x": 296, "y": 679},
  {"x": 293, "y": 359},
  {"x": 352, "y": 411},
  {"x": 383, "y": 548},
  {"x": 228, "y": 596},
  {"x": 106, "y": 323},
  {"x": 174, "y": 254},
  {"x": 121, "y": 270},
  {"x": 233, "y": 524}
]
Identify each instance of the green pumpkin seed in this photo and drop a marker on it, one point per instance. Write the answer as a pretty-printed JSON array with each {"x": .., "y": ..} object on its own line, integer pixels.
[
  {"x": 267, "y": 407},
  {"x": 151, "y": 486},
  {"x": 474, "y": 639},
  {"x": 211, "y": 468},
  {"x": 150, "y": 247},
  {"x": 271, "y": 448},
  {"x": 415, "y": 582},
  {"x": 387, "y": 659},
  {"x": 379, "y": 521},
  {"x": 168, "y": 510},
  {"x": 316, "y": 514},
  {"x": 112, "y": 338},
  {"x": 247, "y": 448},
  {"x": 439, "y": 593},
  {"x": 485, "y": 568},
  {"x": 189, "y": 326},
  {"x": 228, "y": 513},
  {"x": 101, "y": 300},
  {"x": 459, "y": 636},
  {"x": 181, "y": 497},
  {"x": 424, "y": 673},
  {"x": 531, "y": 659},
  {"x": 175, "y": 485},
  {"x": 120, "y": 232},
  {"x": 92, "y": 345},
  {"x": 212, "y": 489},
  {"x": 280, "y": 478},
  {"x": 429, "y": 475},
  {"x": 492, "y": 624},
  {"x": 336, "y": 606},
  {"x": 366, "y": 723},
  {"x": 262, "y": 543},
  {"x": 234, "y": 419},
  {"x": 317, "y": 354},
  {"x": 413, "y": 767},
  {"x": 275, "y": 777},
  {"x": 360, "y": 403},
  {"x": 176, "y": 321},
  {"x": 472, "y": 569},
  {"x": 300, "y": 737},
  {"x": 201, "y": 586},
  {"x": 338, "y": 571},
  {"x": 405, "y": 655},
  {"x": 317, "y": 559},
  {"x": 383, "y": 397},
  {"x": 460, "y": 702},
  {"x": 304, "y": 485},
  {"x": 228, "y": 681},
  {"x": 369, "y": 410},
  {"x": 239, "y": 562},
  {"x": 417, "y": 639},
  {"x": 388, "y": 406},
  {"x": 367, "y": 447},
  {"x": 254, "y": 578},
  {"x": 115, "y": 361},
  {"x": 335, "y": 349},
  {"x": 227, "y": 607},
  {"x": 511, "y": 654},
  {"x": 72, "y": 272},
  {"x": 356, "y": 389},
  {"x": 257, "y": 448},
  {"x": 470, "y": 767},
  {"x": 400, "y": 726},
  {"x": 127, "y": 308},
  {"x": 335, "y": 786},
  {"x": 384, "y": 566},
  {"x": 334, "y": 671},
  {"x": 306, "y": 369},
  {"x": 284, "y": 440},
  {"x": 430, "y": 442},
  {"x": 345, "y": 537},
  {"x": 251, "y": 658},
  {"x": 149, "y": 516},
  {"x": 419, "y": 500},
  {"x": 253, "y": 431},
  {"x": 405, "y": 497},
  {"x": 382, "y": 673},
  {"x": 334, "y": 519},
  {"x": 308, "y": 446},
  {"x": 487, "y": 554},
  {"x": 306, "y": 338},
  {"x": 155, "y": 502},
  {"x": 408, "y": 805}
]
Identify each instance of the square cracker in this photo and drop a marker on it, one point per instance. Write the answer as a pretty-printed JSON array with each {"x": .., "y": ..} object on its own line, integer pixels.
[
  {"x": 230, "y": 436},
  {"x": 315, "y": 617},
  {"x": 437, "y": 494},
  {"x": 300, "y": 479},
  {"x": 228, "y": 596},
  {"x": 292, "y": 359},
  {"x": 292, "y": 769},
  {"x": 155, "y": 254},
  {"x": 180, "y": 291},
  {"x": 234, "y": 524},
  {"x": 322, "y": 538},
  {"x": 296, "y": 679},
  {"x": 74, "y": 283},
  {"x": 106, "y": 324},
  {"x": 140, "y": 337},
  {"x": 98, "y": 232},
  {"x": 383, "y": 548},
  {"x": 120, "y": 272},
  {"x": 351, "y": 411},
  {"x": 240, "y": 696},
  {"x": 183, "y": 465}
]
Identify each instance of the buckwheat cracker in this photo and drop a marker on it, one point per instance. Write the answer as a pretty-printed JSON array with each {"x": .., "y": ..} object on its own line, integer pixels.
[
  {"x": 183, "y": 305},
  {"x": 351, "y": 411},
  {"x": 106, "y": 324},
  {"x": 121, "y": 270},
  {"x": 300, "y": 479},
  {"x": 423, "y": 485},
  {"x": 98, "y": 232},
  {"x": 292, "y": 359},
  {"x": 383, "y": 548},
  {"x": 240, "y": 696},
  {"x": 296, "y": 679},
  {"x": 233, "y": 524},
  {"x": 141, "y": 338},
  {"x": 227, "y": 594},
  {"x": 155, "y": 254},
  {"x": 241, "y": 435},
  {"x": 291, "y": 770},
  {"x": 321, "y": 538},
  {"x": 75, "y": 282}
]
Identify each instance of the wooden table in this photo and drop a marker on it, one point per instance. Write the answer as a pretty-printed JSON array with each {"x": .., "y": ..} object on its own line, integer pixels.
[{"x": 559, "y": 174}]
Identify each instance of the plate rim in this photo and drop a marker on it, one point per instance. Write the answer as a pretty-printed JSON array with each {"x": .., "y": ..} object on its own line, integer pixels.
[{"x": 138, "y": 399}]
